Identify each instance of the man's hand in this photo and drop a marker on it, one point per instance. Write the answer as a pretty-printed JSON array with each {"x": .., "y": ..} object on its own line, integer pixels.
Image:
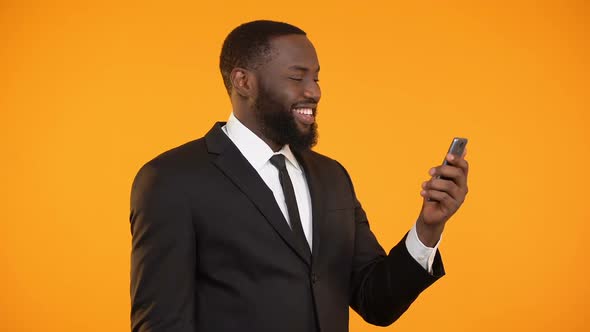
[{"x": 442, "y": 198}]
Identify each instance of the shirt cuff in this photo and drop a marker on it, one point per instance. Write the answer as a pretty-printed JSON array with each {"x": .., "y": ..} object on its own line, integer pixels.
[{"x": 422, "y": 254}]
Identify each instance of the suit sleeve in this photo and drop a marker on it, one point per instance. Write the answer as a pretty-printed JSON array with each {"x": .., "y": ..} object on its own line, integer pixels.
[
  {"x": 383, "y": 286},
  {"x": 162, "y": 255}
]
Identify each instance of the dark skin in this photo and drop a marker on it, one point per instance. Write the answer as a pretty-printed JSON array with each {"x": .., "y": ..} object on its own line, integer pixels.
[
  {"x": 442, "y": 198},
  {"x": 291, "y": 75}
]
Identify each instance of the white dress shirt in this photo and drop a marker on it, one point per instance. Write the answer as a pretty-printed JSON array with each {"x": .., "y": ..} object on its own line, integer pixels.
[{"x": 258, "y": 154}]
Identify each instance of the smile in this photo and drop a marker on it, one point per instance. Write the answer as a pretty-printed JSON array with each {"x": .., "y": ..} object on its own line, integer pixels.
[{"x": 304, "y": 115}]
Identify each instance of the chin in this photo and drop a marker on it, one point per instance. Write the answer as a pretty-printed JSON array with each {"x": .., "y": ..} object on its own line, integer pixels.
[{"x": 304, "y": 131}]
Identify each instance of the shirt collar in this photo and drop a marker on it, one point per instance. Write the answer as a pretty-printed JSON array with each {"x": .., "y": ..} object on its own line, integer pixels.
[{"x": 254, "y": 149}]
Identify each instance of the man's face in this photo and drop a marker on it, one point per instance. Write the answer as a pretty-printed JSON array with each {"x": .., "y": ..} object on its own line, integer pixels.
[{"x": 288, "y": 92}]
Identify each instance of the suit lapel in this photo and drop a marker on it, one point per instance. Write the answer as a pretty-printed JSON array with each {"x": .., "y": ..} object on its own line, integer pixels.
[
  {"x": 317, "y": 191},
  {"x": 233, "y": 164}
]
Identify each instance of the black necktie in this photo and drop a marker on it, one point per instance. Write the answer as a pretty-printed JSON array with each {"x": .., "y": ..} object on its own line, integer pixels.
[{"x": 278, "y": 160}]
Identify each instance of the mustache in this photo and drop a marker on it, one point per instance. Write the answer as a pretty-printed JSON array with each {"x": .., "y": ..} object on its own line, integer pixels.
[{"x": 307, "y": 103}]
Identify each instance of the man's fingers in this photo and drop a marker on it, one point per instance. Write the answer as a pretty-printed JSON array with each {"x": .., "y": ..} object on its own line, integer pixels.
[
  {"x": 449, "y": 205},
  {"x": 459, "y": 162},
  {"x": 450, "y": 172},
  {"x": 445, "y": 186}
]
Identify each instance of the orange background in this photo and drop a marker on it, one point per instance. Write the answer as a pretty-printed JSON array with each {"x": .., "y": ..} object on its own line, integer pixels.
[{"x": 90, "y": 92}]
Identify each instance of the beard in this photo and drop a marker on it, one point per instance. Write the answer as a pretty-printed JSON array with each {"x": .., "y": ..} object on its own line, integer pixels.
[{"x": 279, "y": 125}]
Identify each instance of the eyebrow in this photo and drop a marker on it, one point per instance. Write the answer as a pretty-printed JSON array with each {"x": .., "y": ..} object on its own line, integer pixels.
[{"x": 302, "y": 68}]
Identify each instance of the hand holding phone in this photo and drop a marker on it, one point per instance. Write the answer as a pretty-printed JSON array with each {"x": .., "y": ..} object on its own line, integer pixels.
[{"x": 443, "y": 195}]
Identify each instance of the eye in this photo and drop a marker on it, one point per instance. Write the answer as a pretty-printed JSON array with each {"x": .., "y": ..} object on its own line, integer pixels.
[{"x": 296, "y": 79}]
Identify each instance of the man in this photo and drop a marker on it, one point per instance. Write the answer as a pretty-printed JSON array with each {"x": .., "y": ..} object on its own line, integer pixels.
[{"x": 247, "y": 229}]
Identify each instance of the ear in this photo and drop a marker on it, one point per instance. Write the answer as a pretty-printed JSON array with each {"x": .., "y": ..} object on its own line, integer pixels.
[{"x": 243, "y": 82}]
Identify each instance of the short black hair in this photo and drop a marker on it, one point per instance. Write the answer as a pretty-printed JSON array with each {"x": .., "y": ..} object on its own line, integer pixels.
[{"x": 248, "y": 45}]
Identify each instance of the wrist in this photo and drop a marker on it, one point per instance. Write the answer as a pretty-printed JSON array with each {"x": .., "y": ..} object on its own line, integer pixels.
[{"x": 429, "y": 234}]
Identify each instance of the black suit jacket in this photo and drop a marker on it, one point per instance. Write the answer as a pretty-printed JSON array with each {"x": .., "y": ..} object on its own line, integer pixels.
[{"x": 211, "y": 250}]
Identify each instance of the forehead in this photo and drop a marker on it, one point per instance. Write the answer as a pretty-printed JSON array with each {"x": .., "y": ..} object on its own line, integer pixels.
[{"x": 293, "y": 50}]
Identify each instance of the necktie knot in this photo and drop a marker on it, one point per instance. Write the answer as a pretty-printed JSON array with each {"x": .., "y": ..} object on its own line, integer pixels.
[{"x": 278, "y": 160}]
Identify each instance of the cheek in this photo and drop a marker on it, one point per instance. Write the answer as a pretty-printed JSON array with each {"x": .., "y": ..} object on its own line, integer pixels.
[
  {"x": 290, "y": 95},
  {"x": 282, "y": 92},
  {"x": 284, "y": 97}
]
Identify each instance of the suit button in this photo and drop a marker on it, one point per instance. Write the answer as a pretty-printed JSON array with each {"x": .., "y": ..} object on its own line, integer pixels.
[{"x": 314, "y": 278}]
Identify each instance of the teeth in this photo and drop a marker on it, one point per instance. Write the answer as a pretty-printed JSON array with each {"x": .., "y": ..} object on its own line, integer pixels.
[{"x": 305, "y": 111}]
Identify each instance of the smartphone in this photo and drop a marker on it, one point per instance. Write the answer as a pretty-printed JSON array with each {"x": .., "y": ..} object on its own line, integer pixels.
[{"x": 457, "y": 148}]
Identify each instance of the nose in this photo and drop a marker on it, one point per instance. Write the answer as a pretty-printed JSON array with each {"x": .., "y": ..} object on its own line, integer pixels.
[{"x": 312, "y": 91}]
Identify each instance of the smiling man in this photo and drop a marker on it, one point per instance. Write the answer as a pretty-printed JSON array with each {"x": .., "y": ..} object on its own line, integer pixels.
[{"x": 248, "y": 229}]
